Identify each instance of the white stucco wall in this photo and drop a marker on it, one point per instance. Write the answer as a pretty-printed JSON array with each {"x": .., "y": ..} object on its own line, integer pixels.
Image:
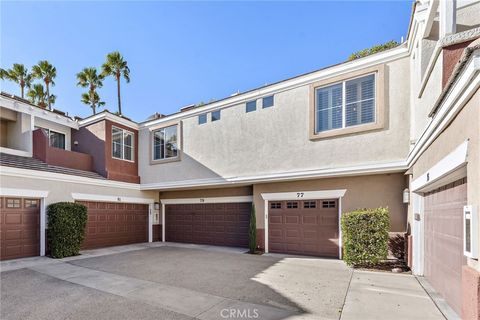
[{"x": 276, "y": 140}]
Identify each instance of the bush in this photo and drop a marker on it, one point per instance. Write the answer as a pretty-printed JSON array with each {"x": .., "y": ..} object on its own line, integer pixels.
[
  {"x": 66, "y": 228},
  {"x": 375, "y": 49},
  {"x": 252, "y": 231},
  {"x": 365, "y": 236}
]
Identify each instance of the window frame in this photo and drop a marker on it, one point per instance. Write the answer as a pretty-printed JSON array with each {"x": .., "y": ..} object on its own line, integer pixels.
[
  {"x": 179, "y": 143},
  {"x": 273, "y": 101},
  {"x": 48, "y": 131},
  {"x": 124, "y": 131},
  {"x": 202, "y": 115},
  {"x": 380, "y": 98},
  {"x": 250, "y": 102},
  {"x": 219, "y": 115}
]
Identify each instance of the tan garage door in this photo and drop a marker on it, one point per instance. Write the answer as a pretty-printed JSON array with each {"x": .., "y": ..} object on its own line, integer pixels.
[
  {"x": 224, "y": 224},
  {"x": 308, "y": 227},
  {"x": 443, "y": 240},
  {"x": 113, "y": 224},
  {"x": 20, "y": 228}
]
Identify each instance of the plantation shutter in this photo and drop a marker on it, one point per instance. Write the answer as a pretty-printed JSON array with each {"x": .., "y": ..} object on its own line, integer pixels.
[{"x": 360, "y": 101}]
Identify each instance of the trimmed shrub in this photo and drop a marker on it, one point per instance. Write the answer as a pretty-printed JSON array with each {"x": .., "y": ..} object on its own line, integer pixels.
[
  {"x": 365, "y": 236},
  {"x": 252, "y": 231},
  {"x": 66, "y": 228},
  {"x": 376, "y": 48}
]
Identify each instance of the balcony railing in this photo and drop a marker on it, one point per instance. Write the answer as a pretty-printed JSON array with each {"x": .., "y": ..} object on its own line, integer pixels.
[{"x": 59, "y": 157}]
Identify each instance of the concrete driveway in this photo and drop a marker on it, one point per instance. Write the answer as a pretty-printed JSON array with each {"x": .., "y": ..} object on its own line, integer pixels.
[{"x": 199, "y": 282}]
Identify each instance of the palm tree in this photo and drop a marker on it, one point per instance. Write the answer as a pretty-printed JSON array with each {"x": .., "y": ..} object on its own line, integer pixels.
[
  {"x": 18, "y": 74},
  {"x": 92, "y": 99},
  {"x": 46, "y": 72},
  {"x": 39, "y": 97},
  {"x": 116, "y": 66},
  {"x": 88, "y": 77}
]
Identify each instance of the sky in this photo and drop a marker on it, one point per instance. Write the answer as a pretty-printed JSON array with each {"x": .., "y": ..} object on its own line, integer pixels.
[{"x": 181, "y": 53}]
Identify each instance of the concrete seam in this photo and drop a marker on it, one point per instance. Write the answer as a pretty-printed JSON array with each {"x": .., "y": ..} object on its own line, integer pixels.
[
  {"x": 346, "y": 294},
  {"x": 431, "y": 298}
]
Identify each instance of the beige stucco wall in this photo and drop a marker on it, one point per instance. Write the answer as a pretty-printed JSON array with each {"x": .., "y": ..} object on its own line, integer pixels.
[
  {"x": 465, "y": 126},
  {"x": 384, "y": 190},
  {"x": 362, "y": 192},
  {"x": 276, "y": 140},
  {"x": 19, "y": 134},
  {"x": 62, "y": 191}
]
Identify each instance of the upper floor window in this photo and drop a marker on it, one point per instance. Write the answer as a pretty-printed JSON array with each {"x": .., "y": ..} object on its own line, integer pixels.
[
  {"x": 55, "y": 139},
  {"x": 267, "y": 102},
  {"x": 122, "y": 144},
  {"x": 345, "y": 104},
  {"x": 165, "y": 143},
  {"x": 215, "y": 115},
  {"x": 202, "y": 118},
  {"x": 251, "y": 106}
]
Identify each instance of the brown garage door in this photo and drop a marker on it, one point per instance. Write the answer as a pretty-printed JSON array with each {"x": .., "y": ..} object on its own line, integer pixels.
[
  {"x": 20, "y": 228},
  {"x": 443, "y": 240},
  {"x": 223, "y": 224},
  {"x": 113, "y": 224},
  {"x": 308, "y": 227}
]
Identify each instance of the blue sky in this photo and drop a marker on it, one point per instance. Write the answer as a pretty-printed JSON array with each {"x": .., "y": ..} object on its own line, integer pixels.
[{"x": 181, "y": 53}]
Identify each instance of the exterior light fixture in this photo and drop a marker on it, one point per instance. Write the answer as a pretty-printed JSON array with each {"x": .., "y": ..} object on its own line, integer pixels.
[
  {"x": 156, "y": 205},
  {"x": 406, "y": 196}
]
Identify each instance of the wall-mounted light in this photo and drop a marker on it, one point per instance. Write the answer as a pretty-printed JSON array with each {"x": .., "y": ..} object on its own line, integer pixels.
[
  {"x": 156, "y": 205},
  {"x": 75, "y": 142},
  {"x": 406, "y": 196}
]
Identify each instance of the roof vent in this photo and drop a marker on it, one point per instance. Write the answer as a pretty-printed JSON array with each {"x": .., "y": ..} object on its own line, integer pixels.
[
  {"x": 186, "y": 108},
  {"x": 155, "y": 116},
  {"x": 235, "y": 93}
]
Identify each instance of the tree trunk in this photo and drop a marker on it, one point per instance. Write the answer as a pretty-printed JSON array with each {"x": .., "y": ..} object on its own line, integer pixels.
[
  {"x": 48, "y": 97},
  {"x": 118, "y": 92},
  {"x": 94, "y": 108},
  {"x": 22, "y": 86}
]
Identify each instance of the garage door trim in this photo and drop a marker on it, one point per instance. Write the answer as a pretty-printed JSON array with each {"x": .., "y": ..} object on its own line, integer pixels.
[
  {"x": 305, "y": 195},
  {"x": 199, "y": 200},
  {"x": 121, "y": 199},
  {"x": 28, "y": 193}
]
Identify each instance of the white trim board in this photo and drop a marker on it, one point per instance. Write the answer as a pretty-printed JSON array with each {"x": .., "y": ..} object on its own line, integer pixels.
[
  {"x": 304, "y": 195},
  {"x": 51, "y": 176},
  {"x": 24, "y": 193},
  {"x": 208, "y": 200},
  {"x": 106, "y": 198},
  {"x": 107, "y": 116},
  {"x": 444, "y": 168},
  {"x": 377, "y": 168}
]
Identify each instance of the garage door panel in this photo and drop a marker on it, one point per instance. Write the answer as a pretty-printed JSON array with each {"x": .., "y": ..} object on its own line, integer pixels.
[
  {"x": 216, "y": 224},
  {"x": 111, "y": 224},
  {"x": 303, "y": 227},
  {"x": 443, "y": 240},
  {"x": 19, "y": 228}
]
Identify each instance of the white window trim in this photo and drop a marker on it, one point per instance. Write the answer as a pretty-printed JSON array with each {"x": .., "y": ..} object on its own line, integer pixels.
[
  {"x": 123, "y": 144},
  {"x": 220, "y": 115},
  {"x": 48, "y": 131},
  {"x": 270, "y": 95},
  {"x": 162, "y": 160},
  {"x": 256, "y": 105},
  {"x": 344, "y": 104}
]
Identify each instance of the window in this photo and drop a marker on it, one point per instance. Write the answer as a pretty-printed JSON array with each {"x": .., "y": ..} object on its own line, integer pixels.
[
  {"x": 215, "y": 115},
  {"x": 202, "y": 118},
  {"x": 267, "y": 102},
  {"x": 328, "y": 204},
  {"x": 292, "y": 205},
  {"x": 275, "y": 205},
  {"x": 251, "y": 106},
  {"x": 122, "y": 144},
  {"x": 165, "y": 143},
  {"x": 345, "y": 104},
  {"x": 13, "y": 203},
  {"x": 31, "y": 203},
  {"x": 55, "y": 139},
  {"x": 309, "y": 204}
]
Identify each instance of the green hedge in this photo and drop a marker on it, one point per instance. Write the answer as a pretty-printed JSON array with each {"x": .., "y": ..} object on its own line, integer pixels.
[
  {"x": 66, "y": 228},
  {"x": 365, "y": 236},
  {"x": 252, "y": 231}
]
